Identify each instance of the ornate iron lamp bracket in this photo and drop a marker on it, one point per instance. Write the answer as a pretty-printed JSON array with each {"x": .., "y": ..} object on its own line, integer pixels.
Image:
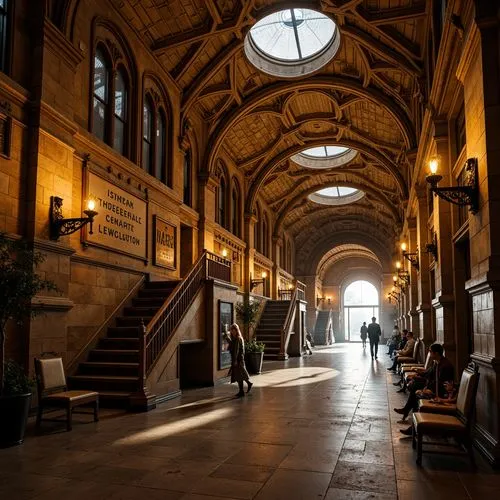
[{"x": 59, "y": 226}]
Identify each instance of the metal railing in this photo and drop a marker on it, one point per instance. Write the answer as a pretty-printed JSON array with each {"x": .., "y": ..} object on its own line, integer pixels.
[{"x": 286, "y": 331}]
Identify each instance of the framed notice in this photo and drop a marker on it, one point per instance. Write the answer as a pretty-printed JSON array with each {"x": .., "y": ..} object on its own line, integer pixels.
[
  {"x": 121, "y": 221},
  {"x": 225, "y": 321},
  {"x": 164, "y": 244}
]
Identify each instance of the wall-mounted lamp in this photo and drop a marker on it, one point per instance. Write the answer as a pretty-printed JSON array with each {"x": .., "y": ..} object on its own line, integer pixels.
[
  {"x": 399, "y": 282},
  {"x": 260, "y": 281},
  {"x": 59, "y": 226},
  {"x": 468, "y": 194},
  {"x": 432, "y": 248},
  {"x": 324, "y": 299},
  {"x": 224, "y": 252},
  {"x": 411, "y": 256},
  {"x": 393, "y": 296}
]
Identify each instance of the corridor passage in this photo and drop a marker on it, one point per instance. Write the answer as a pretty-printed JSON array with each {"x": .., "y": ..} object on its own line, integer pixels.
[{"x": 318, "y": 427}]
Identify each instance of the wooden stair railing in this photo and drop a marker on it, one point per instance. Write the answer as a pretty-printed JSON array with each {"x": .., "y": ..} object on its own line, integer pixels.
[
  {"x": 286, "y": 331},
  {"x": 157, "y": 333}
]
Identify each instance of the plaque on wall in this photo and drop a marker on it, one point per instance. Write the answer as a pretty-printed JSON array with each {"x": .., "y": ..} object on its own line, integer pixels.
[
  {"x": 121, "y": 223},
  {"x": 165, "y": 244},
  {"x": 225, "y": 321}
]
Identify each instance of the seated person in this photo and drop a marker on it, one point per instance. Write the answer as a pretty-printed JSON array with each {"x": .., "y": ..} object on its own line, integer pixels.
[
  {"x": 395, "y": 341},
  {"x": 403, "y": 341},
  {"x": 308, "y": 344},
  {"x": 407, "y": 351},
  {"x": 423, "y": 386}
]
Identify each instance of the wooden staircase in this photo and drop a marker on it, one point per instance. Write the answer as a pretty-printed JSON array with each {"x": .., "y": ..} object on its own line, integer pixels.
[
  {"x": 270, "y": 326},
  {"x": 112, "y": 368}
]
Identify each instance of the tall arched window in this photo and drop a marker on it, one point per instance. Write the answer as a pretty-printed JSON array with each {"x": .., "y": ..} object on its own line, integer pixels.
[
  {"x": 235, "y": 211},
  {"x": 101, "y": 94},
  {"x": 147, "y": 136},
  {"x": 110, "y": 107},
  {"x": 265, "y": 235},
  {"x": 4, "y": 34},
  {"x": 161, "y": 147},
  {"x": 188, "y": 179},
  {"x": 258, "y": 230},
  {"x": 289, "y": 257},
  {"x": 221, "y": 202},
  {"x": 120, "y": 111}
]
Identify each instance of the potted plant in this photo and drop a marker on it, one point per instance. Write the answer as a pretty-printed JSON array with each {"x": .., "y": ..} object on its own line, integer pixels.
[
  {"x": 254, "y": 351},
  {"x": 19, "y": 283},
  {"x": 248, "y": 312}
]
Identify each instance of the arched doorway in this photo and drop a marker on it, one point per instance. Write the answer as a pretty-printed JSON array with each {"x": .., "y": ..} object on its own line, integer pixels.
[{"x": 360, "y": 303}]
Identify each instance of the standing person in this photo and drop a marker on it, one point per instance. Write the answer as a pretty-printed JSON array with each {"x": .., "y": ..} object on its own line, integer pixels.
[
  {"x": 364, "y": 333},
  {"x": 374, "y": 333},
  {"x": 238, "y": 369}
]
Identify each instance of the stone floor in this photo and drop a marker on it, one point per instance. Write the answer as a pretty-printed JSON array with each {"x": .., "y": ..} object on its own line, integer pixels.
[{"x": 319, "y": 427}]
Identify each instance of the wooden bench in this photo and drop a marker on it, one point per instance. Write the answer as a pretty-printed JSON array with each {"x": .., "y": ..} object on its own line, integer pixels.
[{"x": 53, "y": 392}]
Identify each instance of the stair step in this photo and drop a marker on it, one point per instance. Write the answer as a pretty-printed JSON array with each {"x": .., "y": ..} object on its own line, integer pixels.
[
  {"x": 142, "y": 311},
  {"x": 161, "y": 284},
  {"x": 108, "y": 368},
  {"x": 119, "y": 343},
  {"x": 114, "y": 355},
  {"x": 124, "y": 331},
  {"x": 155, "y": 292},
  {"x": 148, "y": 301},
  {"x": 133, "y": 321}
]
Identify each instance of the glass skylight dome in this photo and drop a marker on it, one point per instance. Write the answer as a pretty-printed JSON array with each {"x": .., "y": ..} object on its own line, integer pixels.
[
  {"x": 292, "y": 42},
  {"x": 325, "y": 157},
  {"x": 336, "y": 195}
]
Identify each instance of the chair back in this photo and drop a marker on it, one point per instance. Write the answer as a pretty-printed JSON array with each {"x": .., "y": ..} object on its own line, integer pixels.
[
  {"x": 466, "y": 397},
  {"x": 416, "y": 347},
  {"x": 50, "y": 376},
  {"x": 428, "y": 361},
  {"x": 421, "y": 352}
]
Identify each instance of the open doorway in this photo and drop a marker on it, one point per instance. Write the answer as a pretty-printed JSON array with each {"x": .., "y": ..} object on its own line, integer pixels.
[
  {"x": 186, "y": 254},
  {"x": 360, "y": 303}
]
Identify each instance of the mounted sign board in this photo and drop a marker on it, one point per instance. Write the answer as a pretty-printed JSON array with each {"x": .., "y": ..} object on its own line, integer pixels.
[
  {"x": 164, "y": 244},
  {"x": 121, "y": 221}
]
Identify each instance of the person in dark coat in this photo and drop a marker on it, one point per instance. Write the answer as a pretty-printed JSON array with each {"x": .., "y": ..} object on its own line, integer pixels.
[
  {"x": 374, "y": 333},
  {"x": 238, "y": 369},
  {"x": 363, "y": 333}
]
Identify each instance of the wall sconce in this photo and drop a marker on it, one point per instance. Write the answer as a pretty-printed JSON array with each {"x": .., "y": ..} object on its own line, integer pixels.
[
  {"x": 399, "y": 282},
  {"x": 324, "y": 299},
  {"x": 260, "y": 281},
  {"x": 224, "y": 252},
  {"x": 468, "y": 194},
  {"x": 432, "y": 248},
  {"x": 393, "y": 296},
  {"x": 59, "y": 226},
  {"x": 411, "y": 256}
]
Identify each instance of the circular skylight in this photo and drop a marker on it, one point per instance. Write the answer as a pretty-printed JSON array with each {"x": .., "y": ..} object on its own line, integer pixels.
[
  {"x": 292, "y": 42},
  {"x": 336, "y": 195},
  {"x": 325, "y": 156}
]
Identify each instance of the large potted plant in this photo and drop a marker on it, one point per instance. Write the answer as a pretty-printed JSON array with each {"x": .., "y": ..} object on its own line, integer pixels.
[
  {"x": 19, "y": 283},
  {"x": 247, "y": 313},
  {"x": 254, "y": 353}
]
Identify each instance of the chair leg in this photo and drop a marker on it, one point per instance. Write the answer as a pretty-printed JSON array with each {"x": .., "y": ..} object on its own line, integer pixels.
[
  {"x": 69, "y": 418},
  {"x": 419, "y": 448},
  {"x": 96, "y": 411},
  {"x": 470, "y": 450}
]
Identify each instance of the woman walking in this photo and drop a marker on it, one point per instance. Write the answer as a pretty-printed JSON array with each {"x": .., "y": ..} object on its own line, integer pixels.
[{"x": 238, "y": 369}]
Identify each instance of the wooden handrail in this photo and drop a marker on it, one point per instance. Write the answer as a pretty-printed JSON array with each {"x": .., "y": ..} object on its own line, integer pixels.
[{"x": 287, "y": 327}]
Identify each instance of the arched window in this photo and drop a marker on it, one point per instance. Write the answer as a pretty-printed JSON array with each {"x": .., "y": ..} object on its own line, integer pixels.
[
  {"x": 361, "y": 303},
  {"x": 147, "y": 136},
  {"x": 235, "y": 211},
  {"x": 120, "y": 112},
  {"x": 161, "y": 147},
  {"x": 101, "y": 94},
  {"x": 289, "y": 257},
  {"x": 258, "y": 230},
  {"x": 4, "y": 34},
  {"x": 221, "y": 202},
  {"x": 188, "y": 179},
  {"x": 265, "y": 236},
  {"x": 110, "y": 107}
]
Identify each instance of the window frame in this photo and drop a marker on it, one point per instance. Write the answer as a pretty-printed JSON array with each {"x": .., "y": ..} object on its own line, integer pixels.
[
  {"x": 118, "y": 64},
  {"x": 6, "y": 43},
  {"x": 187, "y": 175},
  {"x": 236, "y": 209}
]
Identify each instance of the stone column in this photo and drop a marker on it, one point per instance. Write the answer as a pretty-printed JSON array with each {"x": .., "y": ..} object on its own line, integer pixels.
[
  {"x": 412, "y": 313},
  {"x": 248, "y": 233}
]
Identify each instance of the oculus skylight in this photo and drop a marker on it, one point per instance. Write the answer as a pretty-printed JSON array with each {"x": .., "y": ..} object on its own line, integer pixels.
[
  {"x": 336, "y": 195},
  {"x": 292, "y": 42},
  {"x": 322, "y": 157}
]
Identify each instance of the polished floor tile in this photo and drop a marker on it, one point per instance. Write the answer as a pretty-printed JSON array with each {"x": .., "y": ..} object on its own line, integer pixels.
[{"x": 320, "y": 427}]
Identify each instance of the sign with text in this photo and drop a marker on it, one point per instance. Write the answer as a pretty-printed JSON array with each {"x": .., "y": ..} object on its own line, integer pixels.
[
  {"x": 121, "y": 223},
  {"x": 165, "y": 243}
]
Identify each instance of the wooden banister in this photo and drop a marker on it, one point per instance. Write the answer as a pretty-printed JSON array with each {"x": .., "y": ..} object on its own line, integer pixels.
[{"x": 286, "y": 331}]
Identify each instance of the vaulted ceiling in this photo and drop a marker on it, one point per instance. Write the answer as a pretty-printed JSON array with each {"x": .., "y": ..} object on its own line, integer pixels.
[{"x": 367, "y": 98}]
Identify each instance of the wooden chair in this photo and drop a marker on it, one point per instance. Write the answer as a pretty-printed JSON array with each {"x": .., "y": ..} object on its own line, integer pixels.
[
  {"x": 457, "y": 425},
  {"x": 416, "y": 357},
  {"x": 53, "y": 393}
]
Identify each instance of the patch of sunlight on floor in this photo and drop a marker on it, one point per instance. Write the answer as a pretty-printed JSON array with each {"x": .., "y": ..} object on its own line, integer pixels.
[
  {"x": 171, "y": 428},
  {"x": 289, "y": 377}
]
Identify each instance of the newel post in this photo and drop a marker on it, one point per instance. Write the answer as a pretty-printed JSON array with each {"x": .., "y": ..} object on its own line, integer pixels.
[{"x": 142, "y": 399}]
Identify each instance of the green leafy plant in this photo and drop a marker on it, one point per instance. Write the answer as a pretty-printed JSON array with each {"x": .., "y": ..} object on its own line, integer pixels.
[
  {"x": 16, "y": 381},
  {"x": 254, "y": 346},
  {"x": 247, "y": 312},
  {"x": 19, "y": 283}
]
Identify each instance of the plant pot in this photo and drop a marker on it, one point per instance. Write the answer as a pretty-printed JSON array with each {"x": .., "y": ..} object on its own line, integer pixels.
[
  {"x": 254, "y": 362},
  {"x": 14, "y": 412}
]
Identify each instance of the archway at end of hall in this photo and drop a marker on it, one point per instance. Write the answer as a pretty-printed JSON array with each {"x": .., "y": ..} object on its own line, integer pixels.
[{"x": 360, "y": 302}]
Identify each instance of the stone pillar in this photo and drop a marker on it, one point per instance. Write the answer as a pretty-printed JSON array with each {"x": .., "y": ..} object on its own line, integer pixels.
[
  {"x": 443, "y": 302},
  {"x": 423, "y": 306},
  {"x": 413, "y": 247},
  {"x": 248, "y": 234},
  {"x": 275, "y": 253}
]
